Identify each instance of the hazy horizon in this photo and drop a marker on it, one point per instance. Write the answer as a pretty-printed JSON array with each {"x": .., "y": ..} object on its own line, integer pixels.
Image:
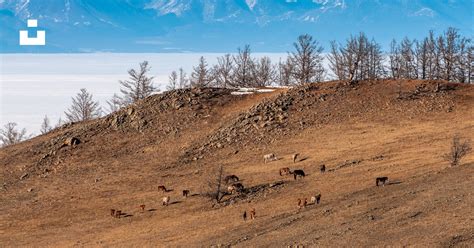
[{"x": 35, "y": 85}]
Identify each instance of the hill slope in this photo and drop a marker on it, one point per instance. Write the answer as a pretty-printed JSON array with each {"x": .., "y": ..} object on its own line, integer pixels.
[{"x": 57, "y": 195}]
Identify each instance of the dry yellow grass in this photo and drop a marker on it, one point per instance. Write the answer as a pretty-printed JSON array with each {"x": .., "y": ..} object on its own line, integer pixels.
[{"x": 427, "y": 203}]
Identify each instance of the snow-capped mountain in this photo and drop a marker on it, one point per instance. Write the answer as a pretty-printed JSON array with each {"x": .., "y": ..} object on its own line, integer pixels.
[{"x": 220, "y": 25}]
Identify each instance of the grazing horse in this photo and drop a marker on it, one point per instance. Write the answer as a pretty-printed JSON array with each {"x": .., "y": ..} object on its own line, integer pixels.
[
  {"x": 186, "y": 192},
  {"x": 231, "y": 179},
  {"x": 295, "y": 156},
  {"x": 166, "y": 200},
  {"x": 322, "y": 168},
  {"x": 269, "y": 157},
  {"x": 112, "y": 212},
  {"x": 252, "y": 214},
  {"x": 382, "y": 180},
  {"x": 285, "y": 171},
  {"x": 298, "y": 173},
  {"x": 142, "y": 207},
  {"x": 162, "y": 188},
  {"x": 302, "y": 202},
  {"x": 316, "y": 199}
]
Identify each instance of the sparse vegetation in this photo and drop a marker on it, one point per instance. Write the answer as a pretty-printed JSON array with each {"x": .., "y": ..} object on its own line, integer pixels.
[
  {"x": 45, "y": 126},
  {"x": 459, "y": 149},
  {"x": 172, "y": 81},
  {"x": 83, "y": 108},
  {"x": 201, "y": 76},
  {"x": 139, "y": 85},
  {"x": 358, "y": 59},
  {"x": 184, "y": 136},
  {"x": 307, "y": 60},
  {"x": 215, "y": 184},
  {"x": 10, "y": 135}
]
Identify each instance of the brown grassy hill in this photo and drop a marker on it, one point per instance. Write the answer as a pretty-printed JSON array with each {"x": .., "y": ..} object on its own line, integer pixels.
[{"x": 56, "y": 195}]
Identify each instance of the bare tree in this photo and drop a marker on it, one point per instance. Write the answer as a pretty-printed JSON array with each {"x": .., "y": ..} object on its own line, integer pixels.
[
  {"x": 183, "y": 81},
  {"x": 307, "y": 60},
  {"x": 464, "y": 61},
  {"x": 215, "y": 184},
  {"x": 337, "y": 62},
  {"x": 83, "y": 108},
  {"x": 10, "y": 135},
  {"x": 285, "y": 73},
  {"x": 375, "y": 61},
  {"x": 115, "y": 103},
  {"x": 470, "y": 64},
  {"x": 59, "y": 123},
  {"x": 358, "y": 59},
  {"x": 433, "y": 57},
  {"x": 223, "y": 71},
  {"x": 172, "y": 81},
  {"x": 139, "y": 85},
  {"x": 201, "y": 76},
  {"x": 242, "y": 73},
  {"x": 448, "y": 57},
  {"x": 408, "y": 65},
  {"x": 263, "y": 72},
  {"x": 403, "y": 62},
  {"x": 395, "y": 60},
  {"x": 459, "y": 149},
  {"x": 45, "y": 126}
]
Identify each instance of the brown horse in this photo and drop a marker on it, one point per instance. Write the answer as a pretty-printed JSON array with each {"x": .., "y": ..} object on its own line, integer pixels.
[
  {"x": 162, "y": 188},
  {"x": 382, "y": 180},
  {"x": 285, "y": 171},
  {"x": 298, "y": 173}
]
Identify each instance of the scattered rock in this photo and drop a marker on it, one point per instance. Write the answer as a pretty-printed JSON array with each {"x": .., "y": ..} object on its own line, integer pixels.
[
  {"x": 72, "y": 141},
  {"x": 24, "y": 176},
  {"x": 414, "y": 215}
]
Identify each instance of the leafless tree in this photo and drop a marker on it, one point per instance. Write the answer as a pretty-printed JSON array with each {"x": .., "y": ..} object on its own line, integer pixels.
[
  {"x": 395, "y": 60},
  {"x": 263, "y": 72},
  {"x": 83, "y": 107},
  {"x": 337, "y": 63},
  {"x": 285, "y": 73},
  {"x": 242, "y": 73},
  {"x": 215, "y": 184},
  {"x": 183, "y": 81},
  {"x": 10, "y": 135},
  {"x": 115, "y": 103},
  {"x": 464, "y": 61},
  {"x": 375, "y": 61},
  {"x": 45, "y": 126},
  {"x": 201, "y": 76},
  {"x": 422, "y": 57},
  {"x": 307, "y": 60},
  {"x": 403, "y": 63},
  {"x": 139, "y": 85},
  {"x": 59, "y": 123},
  {"x": 223, "y": 71},
  {"x": 459, "y": 149},
  {"x": 358, "y": 59},
  {"x": 172, "y": 81},
  {"x": 447, "y": 56},
  {"x": 408, "y": 64},
  {"x": 470, "y": 64}
]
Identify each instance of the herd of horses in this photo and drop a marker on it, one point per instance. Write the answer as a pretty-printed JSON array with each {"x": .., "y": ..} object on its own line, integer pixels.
[{"x": 234, "y": 186}]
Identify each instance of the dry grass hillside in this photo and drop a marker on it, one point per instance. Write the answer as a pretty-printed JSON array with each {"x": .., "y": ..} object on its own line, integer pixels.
[{"x": 61, "y": 195}]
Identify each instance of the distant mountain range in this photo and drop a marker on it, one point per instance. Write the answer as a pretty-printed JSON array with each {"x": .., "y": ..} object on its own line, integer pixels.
[{"x": 221, "y": 25}]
